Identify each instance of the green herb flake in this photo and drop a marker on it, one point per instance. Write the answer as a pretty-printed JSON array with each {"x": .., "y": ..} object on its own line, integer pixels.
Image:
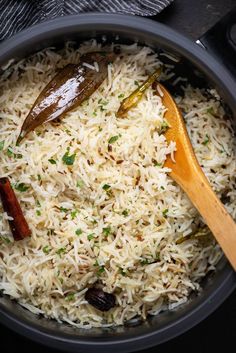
[
  {"x": 70, "y": 297},
  {"x": 145, "y": 262},
  {"x": 100, "y": 270},
  {"x": 39, "y": 177},
  {"x": 136, "y": 83},
  {"x": 162, "y": 188},
  {"x": 106, "y": 187},
  {"x": 68, "y": 159},
  {"x": 125, "y": 213},
  {"x": 148, "y": 261},
  {"x": 94, "y": 113},
  {"x": 63, "y": 209},
  {"x": 100, "y": 129},
  {"x": 106, "y": 231},
  {"x": 6, "y": 240},
  {"x": 206, "y": 141},
  {"x": 78, "y": 231},
  {"x": 210, "y": 111},
  {"x": 80, "y": 183},
  {"x": 164, "y": 127},
  {"x": 90, "y": 236},
  {"x": 38, "y": 212},
  {"x": 164, "y": 212},
  {"x": 113, "y": 139},
  {"x": 61, "y": 251},
  {"x": 122, "y": 271},
  {"x": 102, "y": 102},
  {"x": 46, "y": 249},
  {"x": 121, "y": 96},
  {"x": 21, "y": 187},
  {"x": 73, "y": 214},
  {"x": 96, "y": 263},
  {"x": 1, "y": 145},
  {"x": 52, "y": 161},
  {"x": 38, "y": 203},
  {"x": 9, "y": 152},
  {"x": 156, "y": 164}
]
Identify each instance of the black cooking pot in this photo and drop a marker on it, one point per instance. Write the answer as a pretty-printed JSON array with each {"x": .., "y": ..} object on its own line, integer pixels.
[{"x": 200, "y": 68}]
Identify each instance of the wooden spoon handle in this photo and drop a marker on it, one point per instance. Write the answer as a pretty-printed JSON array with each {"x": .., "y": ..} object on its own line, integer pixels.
[{"x": 212, "y": 210}]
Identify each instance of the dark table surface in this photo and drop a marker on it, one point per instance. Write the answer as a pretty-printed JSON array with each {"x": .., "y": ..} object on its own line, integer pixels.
[{"x": 192, "y": 18}]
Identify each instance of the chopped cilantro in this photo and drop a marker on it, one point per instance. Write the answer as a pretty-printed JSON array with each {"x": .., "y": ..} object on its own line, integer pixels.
[
  {"x": 113, "y": 139},
  {"x": 38, "y": 213},
  {"x": 60, "y": 251},
  {"x": 94, "y": 113},
  {"x": 164, "y": 212},
  {"x": 206, "y": 141},
  {"x": 121, "y": 95},
  {"x": 2, "y": 145},
  {"x": 78, "y": 231},
  {"x": 156, "y": 164},
  {"x": 9, "y": 152},
  {"x": 80, "y": 183},
  {"x": 21, "y": 187},
  {"x": 7, "y": 240},
  {"x": 70, "y": 297},
  {"x": 39, "y": 177},
  {"x": 52, "y": 161},
  {"x": 90, "y": 236},
  {"x": 63, "y": 209},
  {"x": 125, "y": 213},
  {"x": 100, "y": 270},
  {"x": 73, "y": 214},
  {"x": 38, "y": 203},
  {"x": 148, "y": 261},
  {"x": 136, "y": 83},
  {"x": 210, "y": 110},
  {"x": 46, "y": 249},
  {"x": 106, "y": 231},
  {"x": 164, "y": 127},
  {"x": 68, "y": 159},
  {"x": 96, "y": 263},
  {"x": 106, "y": 187},
  {"x": 122, "y": 271},
  {"x": 162, "y": 187}
]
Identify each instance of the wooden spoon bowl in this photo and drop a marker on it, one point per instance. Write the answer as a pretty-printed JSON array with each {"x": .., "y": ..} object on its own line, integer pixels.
[{"x": 187, "y": 172}]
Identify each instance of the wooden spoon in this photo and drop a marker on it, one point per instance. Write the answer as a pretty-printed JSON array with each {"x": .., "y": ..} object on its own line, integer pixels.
[{"x": 187, "y": 172}]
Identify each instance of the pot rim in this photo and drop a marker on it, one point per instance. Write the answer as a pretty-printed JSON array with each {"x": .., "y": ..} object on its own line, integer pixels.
[{"x": 222, "y": 79}]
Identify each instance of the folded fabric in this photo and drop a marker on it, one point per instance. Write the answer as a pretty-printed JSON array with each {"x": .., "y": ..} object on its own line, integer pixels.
[{"x": 16, "y": 15}]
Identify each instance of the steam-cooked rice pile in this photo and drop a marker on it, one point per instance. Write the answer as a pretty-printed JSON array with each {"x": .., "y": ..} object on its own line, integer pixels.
[{"x": 114, "y": 216}]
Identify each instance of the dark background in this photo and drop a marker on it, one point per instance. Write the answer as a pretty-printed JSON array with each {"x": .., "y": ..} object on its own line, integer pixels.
[{"x": 192, "y": 18}]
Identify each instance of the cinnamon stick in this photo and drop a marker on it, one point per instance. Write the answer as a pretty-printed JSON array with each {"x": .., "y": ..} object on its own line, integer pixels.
[{"x": 11, "y": 206}]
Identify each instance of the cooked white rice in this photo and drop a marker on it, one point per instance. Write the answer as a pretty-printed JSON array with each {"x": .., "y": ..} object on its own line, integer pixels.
[{"x": 123, "y": 239}]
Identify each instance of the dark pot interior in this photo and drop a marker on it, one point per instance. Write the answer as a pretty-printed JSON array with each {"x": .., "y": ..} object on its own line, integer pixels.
[{"x": 200, "y": 68}]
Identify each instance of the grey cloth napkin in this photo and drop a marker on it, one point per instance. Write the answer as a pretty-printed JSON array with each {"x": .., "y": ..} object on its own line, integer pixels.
[{"x": 16, "y": 15}]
